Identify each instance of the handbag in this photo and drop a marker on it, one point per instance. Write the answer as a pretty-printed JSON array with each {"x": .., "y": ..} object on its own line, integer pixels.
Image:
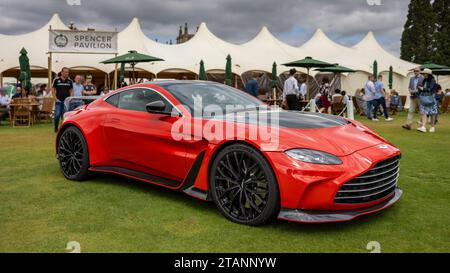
[{"x": 427, "y": 100}]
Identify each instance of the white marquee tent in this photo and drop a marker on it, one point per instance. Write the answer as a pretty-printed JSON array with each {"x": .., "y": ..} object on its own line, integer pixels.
[{"x": 256, "y": 55}]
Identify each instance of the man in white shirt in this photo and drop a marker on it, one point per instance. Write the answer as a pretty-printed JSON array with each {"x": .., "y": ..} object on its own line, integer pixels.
[
  {"x": 291, "y": 92},
  {"x": 370, "y": 91}
]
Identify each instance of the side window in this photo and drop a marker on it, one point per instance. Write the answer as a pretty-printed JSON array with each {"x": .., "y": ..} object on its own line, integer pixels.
[
  {"x": 113, "y": 100},
  {"x": 137, "y": 99}
]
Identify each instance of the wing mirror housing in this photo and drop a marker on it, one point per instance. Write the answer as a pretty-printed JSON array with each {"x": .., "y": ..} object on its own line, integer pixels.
[{"x": 157, "y": 107}]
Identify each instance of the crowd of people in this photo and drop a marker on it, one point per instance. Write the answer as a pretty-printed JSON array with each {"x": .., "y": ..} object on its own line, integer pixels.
[
  {"x": 295, "y": 90},
  {"x": 62, "y": 88},
  {"x": 373, "y": 99},
  {"x": 426, "y": 95}
]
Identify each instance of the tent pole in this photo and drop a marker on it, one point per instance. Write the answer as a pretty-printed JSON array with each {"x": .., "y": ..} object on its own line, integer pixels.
[
  {"x": 134, "y": 79},
  {"x": 115, "y": 76},
  {"x": 1, "y": 79}
]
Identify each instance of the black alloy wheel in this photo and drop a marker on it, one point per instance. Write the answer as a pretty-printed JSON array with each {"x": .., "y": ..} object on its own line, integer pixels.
[
  {"x": 73, "y": 154},
  {"x": 243, "y": 186}
]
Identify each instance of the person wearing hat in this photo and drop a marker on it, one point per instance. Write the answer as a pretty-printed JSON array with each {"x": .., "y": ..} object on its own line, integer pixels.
[
  {"x": 414, "y": 83},
  {"x": 427, "y": 100},
  {"x": 89, "y": 87}
]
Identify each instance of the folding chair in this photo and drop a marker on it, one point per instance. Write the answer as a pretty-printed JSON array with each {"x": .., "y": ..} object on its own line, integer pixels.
[
  {"x": 445, "y": 104},
  {"x": 337, "y": 107},
  {"x": 47, "y": 109},
  {"x": 22, "y": 116}
]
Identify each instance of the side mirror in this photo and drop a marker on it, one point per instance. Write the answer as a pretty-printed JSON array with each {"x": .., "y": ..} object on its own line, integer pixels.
[{"x": 156, "y": 107}]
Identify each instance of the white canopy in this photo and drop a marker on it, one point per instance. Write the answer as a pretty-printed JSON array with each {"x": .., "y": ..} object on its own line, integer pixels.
[{"x": 257, "y": 54}]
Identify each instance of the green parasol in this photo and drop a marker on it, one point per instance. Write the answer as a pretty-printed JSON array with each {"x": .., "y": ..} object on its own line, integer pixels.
[
  {"x": 433, "y": 66},
  {"x": 228, "y": 71},
  {"x": 375, "y": 69},
  {"x": 308, "y": 63},
  {"x": 440, "y": 72},
  {"x": 132, "y": 57},
  {"x": 274, "y": 75},
  {"x": 391, "y": 77},
  {"x": 25, "y": 72},
  {"x": 122, "y": 73},
  {"x": 336, "y": 68},
  {"x": 202, "y": 73}
]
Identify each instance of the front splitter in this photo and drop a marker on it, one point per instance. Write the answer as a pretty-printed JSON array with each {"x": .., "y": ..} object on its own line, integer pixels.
[{"x": 306, "y": 216}]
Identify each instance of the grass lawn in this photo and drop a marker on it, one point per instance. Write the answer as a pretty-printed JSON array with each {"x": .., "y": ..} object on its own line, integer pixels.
[{"x": 40, "y": 211}]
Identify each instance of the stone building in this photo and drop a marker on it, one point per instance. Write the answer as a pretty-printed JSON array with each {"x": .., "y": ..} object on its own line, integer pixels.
[{"x": 184, "y": 36}]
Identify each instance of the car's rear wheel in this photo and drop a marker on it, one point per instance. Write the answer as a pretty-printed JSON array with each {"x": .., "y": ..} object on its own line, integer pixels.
[
  {"x": 243, "y": 186},
  {"x": 73, "y": 154}
]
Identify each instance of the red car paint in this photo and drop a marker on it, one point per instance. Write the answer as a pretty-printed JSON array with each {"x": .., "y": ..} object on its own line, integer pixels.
[{"x": 125, "y": 138}]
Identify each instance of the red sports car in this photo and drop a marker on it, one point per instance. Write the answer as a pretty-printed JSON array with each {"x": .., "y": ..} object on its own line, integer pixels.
[{"x": 303, "y": 167}]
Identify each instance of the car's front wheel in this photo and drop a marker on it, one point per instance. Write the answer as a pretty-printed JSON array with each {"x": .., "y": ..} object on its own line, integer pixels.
[
  {"x": 73, "y": 154},
  {"x": 243, "y": 186}
]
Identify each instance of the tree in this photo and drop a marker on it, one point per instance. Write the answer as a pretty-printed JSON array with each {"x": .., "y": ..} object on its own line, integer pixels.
[
  {"x": 441, "y": 37},
  {"x": 417, "y": 37}
]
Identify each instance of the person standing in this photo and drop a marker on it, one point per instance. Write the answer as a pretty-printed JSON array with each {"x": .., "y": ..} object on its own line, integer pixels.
[
  {"x": 427, "y": 100},
  {"x": 371, "y": 102},
  {"x": 291, "y": 92},
  {"x": 78, "y": 89},
  {"x": 62, "y": 88},
  {"x": 325, "y": 96},
  {"x": 380, "y": 99},
  {"x": 414, "y": 83},
  {"x": 89, "y": 88},
  {"x": 252, "y": 86},
  {"x": 303, "y": 89},
  {"x": 4, "y": 104}
]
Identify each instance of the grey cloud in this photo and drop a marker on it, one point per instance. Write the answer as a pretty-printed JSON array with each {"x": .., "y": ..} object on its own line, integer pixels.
[{"x": 293, "y": 21}]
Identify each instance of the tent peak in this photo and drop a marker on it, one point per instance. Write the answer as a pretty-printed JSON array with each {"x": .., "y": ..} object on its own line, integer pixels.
[
  {"x": 320, "y": 34},
  {"x": 368, "y": 40},
  {"x": 134, "y": 25},
  {"x": 55, "y": 22},
  {"x": 320, "y": 38}
]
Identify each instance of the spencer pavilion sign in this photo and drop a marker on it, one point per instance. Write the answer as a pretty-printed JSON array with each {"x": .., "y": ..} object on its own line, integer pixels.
[{"x": 76, "y": 41}]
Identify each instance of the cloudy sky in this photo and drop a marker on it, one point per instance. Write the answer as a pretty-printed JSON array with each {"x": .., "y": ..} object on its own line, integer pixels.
[{"x": 292, "y": 21}]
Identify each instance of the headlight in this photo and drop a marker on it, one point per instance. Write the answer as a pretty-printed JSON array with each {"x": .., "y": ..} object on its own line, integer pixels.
[{"x": 314, "y": 157}]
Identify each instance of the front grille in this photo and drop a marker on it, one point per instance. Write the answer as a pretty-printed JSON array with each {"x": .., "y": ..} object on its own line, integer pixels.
[{"x": 378, "y": 182}]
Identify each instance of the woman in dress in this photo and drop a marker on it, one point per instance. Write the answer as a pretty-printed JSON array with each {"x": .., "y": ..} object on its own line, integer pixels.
[{"x": 428, "y": 105}]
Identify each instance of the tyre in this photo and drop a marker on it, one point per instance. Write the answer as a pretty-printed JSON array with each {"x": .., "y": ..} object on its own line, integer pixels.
[
  {"x": 73, "y": 154},
  {"x": 243, "y": 186}
]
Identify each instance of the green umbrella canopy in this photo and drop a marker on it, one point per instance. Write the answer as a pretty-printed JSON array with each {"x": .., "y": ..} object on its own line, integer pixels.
[
  {"x": 308, "y": 62},
  {"x": 132, "y": 57},
  {"x": 375, "y": 69},
  {"x": 441, "y": 72},
  {"x": 202, "y": 73},
  {"x": 433, "y": 66},
  {"x": 25, "y": 72},
  {"x": 391, "y": 77},
  {"x": 336, "y": 68},
  {"x": 228, "y": 71},
  {"x": 274, "y": 75}
]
